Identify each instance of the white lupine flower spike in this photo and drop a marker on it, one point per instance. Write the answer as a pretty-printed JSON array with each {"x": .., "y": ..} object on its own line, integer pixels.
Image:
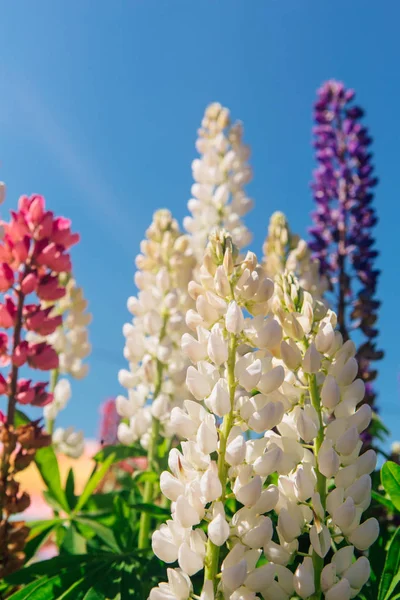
[
  {"x": 220, "y": 174},
  {"x": 155, "y": 381},
  {"x": 302, "y": 394},
  {"x": 215, "y": 462}
]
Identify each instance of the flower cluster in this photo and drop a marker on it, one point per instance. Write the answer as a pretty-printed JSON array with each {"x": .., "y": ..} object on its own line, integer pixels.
[
  {"x": 71, "y": 340},
  {"x": 324, "y": 483},
  {"x": 152, "y": 340},
  {"x": 235, "y": 384},
  {"x": 284, "y": 372},
  {"x": 218, "y": 198},
  {"x": 33, "y": 254},
  {"x": 284, "y": 250},
  {"x": 344, "y": 218},
  {"x": 69, "y": 442}
]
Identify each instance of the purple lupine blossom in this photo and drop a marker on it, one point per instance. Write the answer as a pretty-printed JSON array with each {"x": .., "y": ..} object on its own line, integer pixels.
[
  {"x": 344, "y": 218},
  {"x": 109, "y": 423}
]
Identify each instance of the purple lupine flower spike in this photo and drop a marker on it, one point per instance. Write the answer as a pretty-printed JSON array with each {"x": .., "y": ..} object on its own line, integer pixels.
[{"x": 344, "y": 218}]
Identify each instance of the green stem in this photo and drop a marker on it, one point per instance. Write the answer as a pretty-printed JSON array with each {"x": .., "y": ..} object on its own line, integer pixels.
[
  {"x": 145, "y": 519},
  {"x": 318, "y": 561},
  {"x": 55, "y": 373},
  {"x": 212, "y": 552}
]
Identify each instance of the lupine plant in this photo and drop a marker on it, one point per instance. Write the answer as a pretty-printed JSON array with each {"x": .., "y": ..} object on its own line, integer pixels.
[
  {"x": 344, "y": 219},
  {"x": 234, "y": 465}
]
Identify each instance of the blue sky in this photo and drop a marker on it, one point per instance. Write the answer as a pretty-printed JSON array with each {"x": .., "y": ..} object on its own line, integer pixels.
[{"x": 99, "y": 106}]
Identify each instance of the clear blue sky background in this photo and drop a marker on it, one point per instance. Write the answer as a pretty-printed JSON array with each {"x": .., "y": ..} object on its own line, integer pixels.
[{"x": 99, "y": 106}]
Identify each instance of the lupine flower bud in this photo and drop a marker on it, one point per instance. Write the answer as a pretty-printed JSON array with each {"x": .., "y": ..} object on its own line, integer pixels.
[
  {"x": 234, "y": 320},
  {"x": 217, "y": 346},
  {"x": 343, "y": 558},
  {"x": 291, "y": 355},
  {"x": 340, "y": 591},
  {"x": 219, "y": 401},
  {"x": 320, "y": 539},
  {"x": 288, "y": 525},
  {"x": 358, "y": 573},
  {"x": 311, "y": 360},
  {"x": 365, "y": 534},
  {"x": 330, "y": 393},
  {"x": 328, "y": 460},
  {"x": 189, "y": 561},
  {"x": 218, "y": 529},
  {"x": 198, "y": 384},
  {"x": 304, "y": 579}
]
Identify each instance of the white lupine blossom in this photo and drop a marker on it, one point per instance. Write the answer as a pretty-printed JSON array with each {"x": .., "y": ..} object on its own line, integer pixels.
[
  {"x": 237, "y": 385},
  {"x": 69, "y": 442},
  {"x": 284, "y": 250},
  {"x": 220, "y": 174},
  {"x": 61, "y": 396},
  {"x": 70, "y": 340},
  {"x": 157, "y": 368}
]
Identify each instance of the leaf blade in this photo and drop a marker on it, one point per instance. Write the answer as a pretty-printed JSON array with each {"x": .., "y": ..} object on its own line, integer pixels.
[
  {"x": 390, "y": 477},
  {"x": 47, "y": 464},
  {"x": 391, "y": 568},
  {"x": 93, "y": 482}
]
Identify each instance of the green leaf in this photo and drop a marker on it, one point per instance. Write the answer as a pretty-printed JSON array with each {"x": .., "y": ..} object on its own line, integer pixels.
[
  {"x": 53, "y": 566},
  {"x": 20, "y": 418},
  {"x": 73, "y": 542},
  {"x": 28, "y": 591},
  {"x": 51, "y": 501},
  {"x": 120, "y": 453},
  {"x": 68, "y": 584},
  {"x": 152, "y": 509},
  {"x": 102, "y": 504},
  {"x": 38, "y": 535},
  {"x": 104, "y": 533},
  {"x": 144, "y": 476},
  {"x": 383, "y": 500},
  {"x": 93, "y": 594},
  {"x": 70, "y": 488},
  {"x": 93, "y": 482},
  {"x": 391, "y": 572},
  {"x": 390, "y": 476},
  {"x": 47, "y": 464}
]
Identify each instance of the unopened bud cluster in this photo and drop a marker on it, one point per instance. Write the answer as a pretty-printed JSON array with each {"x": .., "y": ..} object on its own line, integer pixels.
[
  {"x": 152, "y": 340},
  {"x": 284, "y": 250},
  {"x": 220, "y": 174}
]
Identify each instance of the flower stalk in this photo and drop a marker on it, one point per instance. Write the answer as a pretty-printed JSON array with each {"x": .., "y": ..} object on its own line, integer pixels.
[{"x": 212, "y": 563}]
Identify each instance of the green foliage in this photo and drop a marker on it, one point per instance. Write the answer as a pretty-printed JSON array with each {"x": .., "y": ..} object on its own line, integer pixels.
[
  {"x": 96, "y": 534},
  {"x": 390, "y": 476},
  {"x": 94, "y": 576},
  {"x": 120, "y": 453},
  {"x": 390, "y": 581}
]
